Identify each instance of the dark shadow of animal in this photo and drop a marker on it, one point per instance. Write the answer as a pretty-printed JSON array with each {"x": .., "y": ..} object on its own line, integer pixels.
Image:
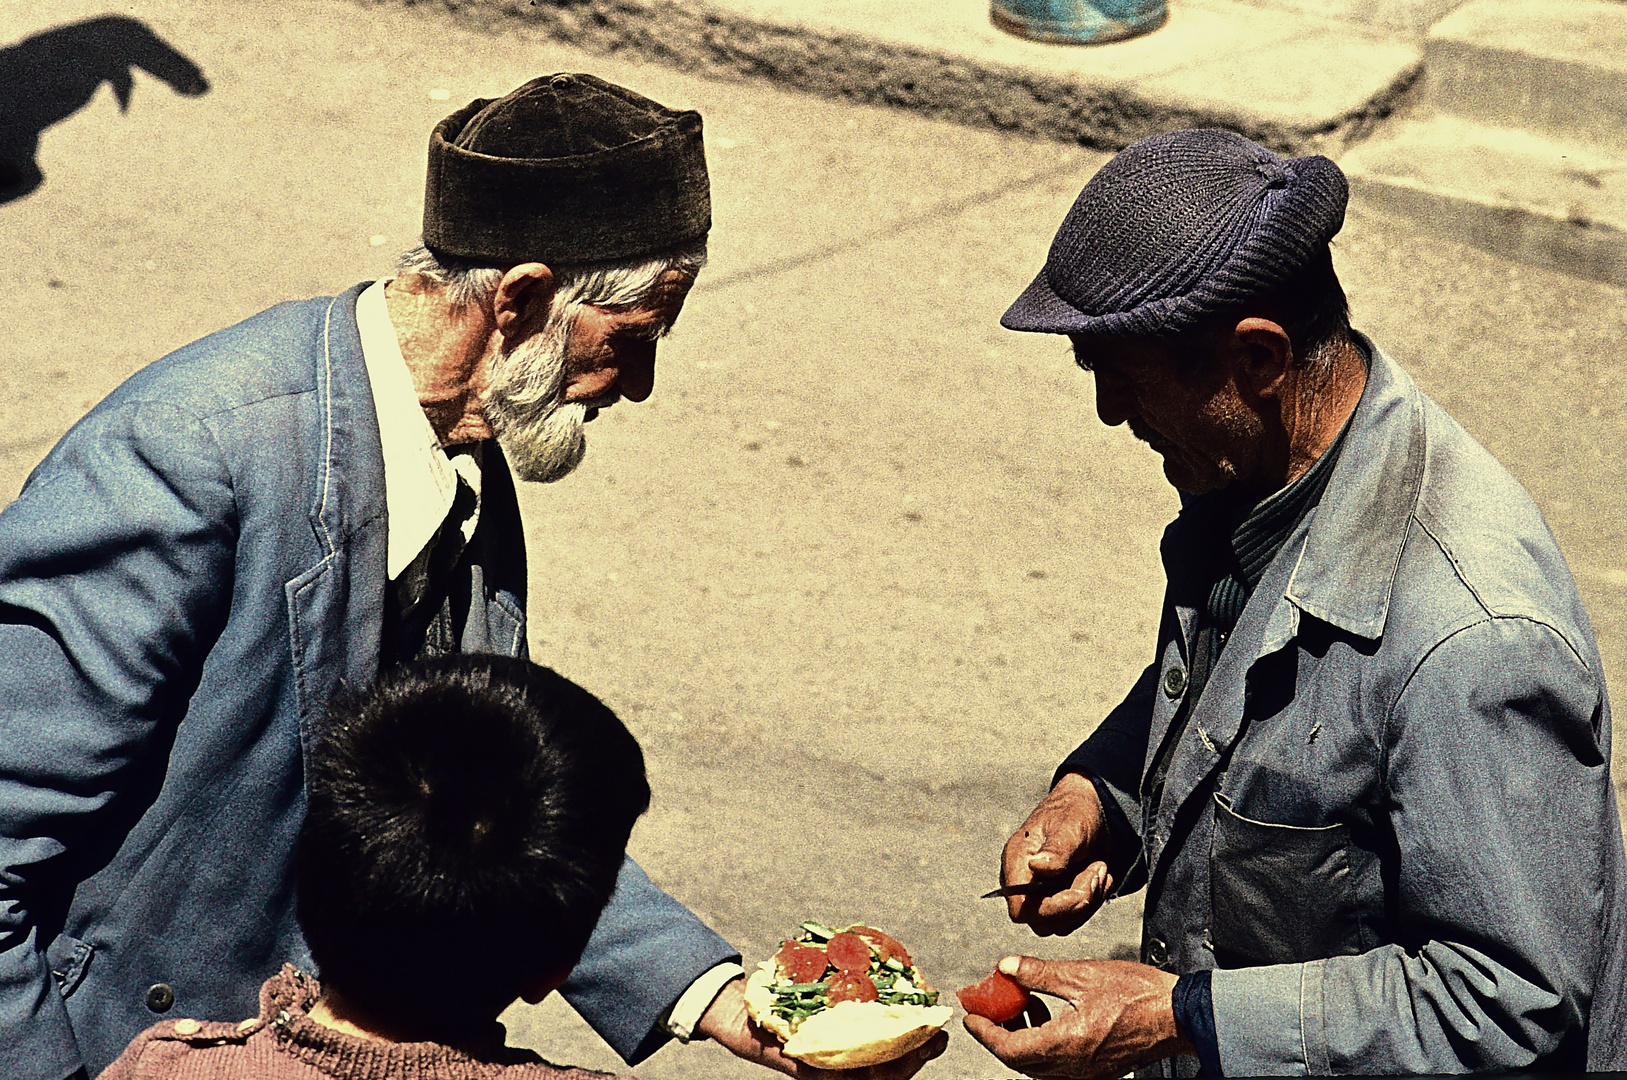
[{"x": 47, "y": 78}]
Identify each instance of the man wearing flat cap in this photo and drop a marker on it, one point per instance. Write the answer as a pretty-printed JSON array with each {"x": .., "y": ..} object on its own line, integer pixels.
[
  {"x": 1365, "y": 780},
  {"x": 287, "y": 506}
]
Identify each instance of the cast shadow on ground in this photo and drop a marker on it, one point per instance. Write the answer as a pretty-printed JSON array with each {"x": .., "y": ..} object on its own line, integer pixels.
[{"x": 48, "y": 77}]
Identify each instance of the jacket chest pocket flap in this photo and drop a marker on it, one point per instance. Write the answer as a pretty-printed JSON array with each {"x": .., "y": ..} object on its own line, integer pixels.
[
  {"x": 1280, "y": 894},
  {"x": 68, "y": 958}
]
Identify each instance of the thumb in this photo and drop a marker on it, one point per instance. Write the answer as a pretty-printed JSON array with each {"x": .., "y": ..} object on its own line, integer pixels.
[
  {"x": 1056, "y": 851},
  {"x": 1046, "y": 976},
  {"x": 1047, "y": 860}
]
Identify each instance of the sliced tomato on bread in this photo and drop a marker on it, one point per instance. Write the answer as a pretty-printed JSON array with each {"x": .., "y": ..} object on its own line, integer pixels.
[{"x": 842, "y": 999}]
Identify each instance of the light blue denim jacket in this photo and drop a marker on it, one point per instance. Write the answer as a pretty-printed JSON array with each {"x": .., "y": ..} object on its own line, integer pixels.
[
  {"x": 183, "y": 582},
  {"x": 1389, "y": 825}
]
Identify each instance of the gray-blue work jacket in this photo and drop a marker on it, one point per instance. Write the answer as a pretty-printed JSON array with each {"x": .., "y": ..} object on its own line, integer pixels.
[{"x": 1388, "y": 825}]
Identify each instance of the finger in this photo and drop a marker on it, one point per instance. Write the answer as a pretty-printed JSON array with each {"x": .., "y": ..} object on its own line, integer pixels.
[
  {"x": 1059, "y": 840},
  {"x": 1014, "y": 868},
  {"x": 1020, "y": 908},
  {"x": 1072, "y": 901},
  {"x": 1026, "y": 909},
  {"x": 769, "y": 1053},
  {"x": 1087, "y": 893},
  {"x": 1017, "y": 1049},
  {"x": 986, "y": 1031},
  {"x": 1066, "y": 911},
  {"x": 772, "y": 1057},
  {"x": 1059, "y": 978}
]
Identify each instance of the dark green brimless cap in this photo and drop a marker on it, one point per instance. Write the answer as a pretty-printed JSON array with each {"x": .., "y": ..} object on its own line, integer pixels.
[{"x": 566, "y": 169}]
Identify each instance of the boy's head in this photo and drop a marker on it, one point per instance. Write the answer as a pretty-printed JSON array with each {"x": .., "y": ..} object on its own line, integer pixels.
[{"x": 467, "y": 820}]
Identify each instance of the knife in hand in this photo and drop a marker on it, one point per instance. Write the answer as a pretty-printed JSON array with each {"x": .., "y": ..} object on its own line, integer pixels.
[{"x": 1030, "y": 888}]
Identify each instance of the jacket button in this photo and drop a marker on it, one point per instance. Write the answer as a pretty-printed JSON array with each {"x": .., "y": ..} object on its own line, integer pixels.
[
  {"x": 1156, "y": 952},
  {"x": 1174, "y": 682},
  {"x": 160, "y": 997}
]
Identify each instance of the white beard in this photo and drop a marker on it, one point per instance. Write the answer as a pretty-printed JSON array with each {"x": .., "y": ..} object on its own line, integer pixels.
[{"x": 542, "y": 437}]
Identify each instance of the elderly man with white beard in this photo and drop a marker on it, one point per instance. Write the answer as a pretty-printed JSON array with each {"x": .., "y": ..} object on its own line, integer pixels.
[{"x": 289, "y": 505}]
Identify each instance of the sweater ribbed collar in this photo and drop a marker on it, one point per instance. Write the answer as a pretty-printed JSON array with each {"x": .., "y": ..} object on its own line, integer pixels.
[
  {"x": 285, "y": 1003},
  {"x": 1268, "y": 524}
]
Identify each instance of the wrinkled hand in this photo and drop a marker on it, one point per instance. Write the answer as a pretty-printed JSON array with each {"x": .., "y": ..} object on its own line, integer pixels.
[
  {"x": 1120, "y": 1019},
  {"x": 1065, "y": 838},
  {"x": 727, "y": 1022}
]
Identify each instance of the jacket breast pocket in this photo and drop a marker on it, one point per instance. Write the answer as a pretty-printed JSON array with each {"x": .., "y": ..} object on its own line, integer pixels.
[
  {"x": 1280, "y": 894},
  {"x": 68, "y": 958}
]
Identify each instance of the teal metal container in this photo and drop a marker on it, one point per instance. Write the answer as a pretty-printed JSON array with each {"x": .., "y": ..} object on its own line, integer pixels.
[{"x": 1078, "y": 22}]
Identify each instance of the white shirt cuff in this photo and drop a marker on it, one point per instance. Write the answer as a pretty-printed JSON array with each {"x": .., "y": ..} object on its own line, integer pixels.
[{"x": 688, "y": 1009}]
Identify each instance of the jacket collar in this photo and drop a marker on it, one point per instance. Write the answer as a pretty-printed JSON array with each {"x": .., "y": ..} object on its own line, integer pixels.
[
  {"x": 350, "y": 495},
  {"x": 1347, "y": 567},
  {"x": 1338, "y": 566}
]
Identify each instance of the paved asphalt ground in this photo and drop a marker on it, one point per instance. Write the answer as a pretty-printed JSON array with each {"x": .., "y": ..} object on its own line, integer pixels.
[{"x": 866, "y": 566}]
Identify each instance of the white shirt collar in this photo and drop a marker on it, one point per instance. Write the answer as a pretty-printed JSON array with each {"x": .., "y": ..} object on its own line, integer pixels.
[{"x": 419, "y": 480}]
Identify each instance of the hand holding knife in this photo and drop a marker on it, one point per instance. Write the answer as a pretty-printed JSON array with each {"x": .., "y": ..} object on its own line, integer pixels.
[{"x": 1039, "y": 887}]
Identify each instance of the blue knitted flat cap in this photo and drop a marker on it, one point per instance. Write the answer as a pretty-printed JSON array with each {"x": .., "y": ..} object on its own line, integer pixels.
[{"x": 1179, "y": 227}]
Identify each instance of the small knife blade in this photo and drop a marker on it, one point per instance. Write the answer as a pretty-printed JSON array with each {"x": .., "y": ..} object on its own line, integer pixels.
[{"x": 1029, "y": 888}]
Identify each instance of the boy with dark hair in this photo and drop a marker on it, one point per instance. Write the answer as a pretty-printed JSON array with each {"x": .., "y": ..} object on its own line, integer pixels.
[{"x": 467, "y": 820}]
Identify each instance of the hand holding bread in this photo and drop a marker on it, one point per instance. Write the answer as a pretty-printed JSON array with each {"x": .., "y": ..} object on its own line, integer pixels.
[{"x": 844, "y": 999}]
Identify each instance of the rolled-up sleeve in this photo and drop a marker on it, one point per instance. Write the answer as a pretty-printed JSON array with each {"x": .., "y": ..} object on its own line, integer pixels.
[{"x": 1501, "y": 808}]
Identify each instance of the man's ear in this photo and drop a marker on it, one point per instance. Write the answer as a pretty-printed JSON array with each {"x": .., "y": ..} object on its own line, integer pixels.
[
  {"x": 1265, "y": 355},
  {"x": 524, "y": 296}
]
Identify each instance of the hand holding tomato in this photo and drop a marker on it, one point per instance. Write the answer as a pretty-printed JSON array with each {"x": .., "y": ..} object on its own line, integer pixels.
[
  {"x": 1121, "y": 1018},
  {"x": 998, "y": 997}
]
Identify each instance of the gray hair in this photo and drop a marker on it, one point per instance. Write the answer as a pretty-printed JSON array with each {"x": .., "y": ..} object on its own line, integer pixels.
[{"x": 625, "y": 283}]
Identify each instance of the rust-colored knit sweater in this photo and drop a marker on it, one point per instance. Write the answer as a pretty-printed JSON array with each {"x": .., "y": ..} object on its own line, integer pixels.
[{"x": 284, "y": 1043}]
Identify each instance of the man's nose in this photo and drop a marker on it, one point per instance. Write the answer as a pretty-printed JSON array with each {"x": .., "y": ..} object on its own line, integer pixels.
[
  {"x": 1114, "y": 403},
  {"x": 637, "y": 371}
]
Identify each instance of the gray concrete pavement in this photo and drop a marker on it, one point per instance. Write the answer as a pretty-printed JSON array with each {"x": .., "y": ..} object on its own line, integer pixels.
[
  {"x": 866, "y": 565},
  {"x": 1518, "y": 142}
]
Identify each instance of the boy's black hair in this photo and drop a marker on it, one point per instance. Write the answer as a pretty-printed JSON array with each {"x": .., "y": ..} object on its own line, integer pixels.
[{"x": 467, "y": 819}]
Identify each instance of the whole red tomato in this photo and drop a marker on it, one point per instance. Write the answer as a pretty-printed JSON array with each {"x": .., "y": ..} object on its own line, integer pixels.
[{"x": 998, "y": 997}]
